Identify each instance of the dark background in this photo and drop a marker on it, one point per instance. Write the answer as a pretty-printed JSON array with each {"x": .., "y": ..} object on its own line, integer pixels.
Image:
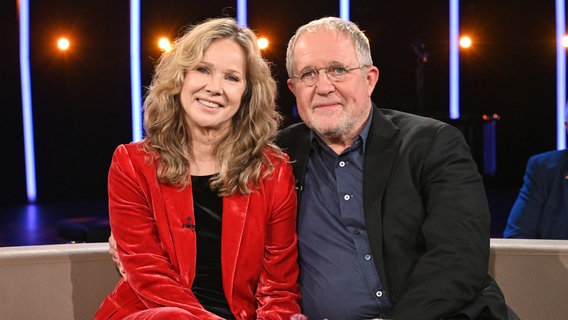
[{"x": 81, "y": 98}]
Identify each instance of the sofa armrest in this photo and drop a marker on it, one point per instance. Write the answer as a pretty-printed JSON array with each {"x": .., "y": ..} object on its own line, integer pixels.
[
  {"x": 63, "y": 281},
  {"x": 533, "y": 275}
]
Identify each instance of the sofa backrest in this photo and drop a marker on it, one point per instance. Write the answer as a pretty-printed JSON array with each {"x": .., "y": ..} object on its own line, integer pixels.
[
  {"x": 533, "y": 275},
  {"x": 69, "y": 281},
  {"x": 64, "y": 281}
]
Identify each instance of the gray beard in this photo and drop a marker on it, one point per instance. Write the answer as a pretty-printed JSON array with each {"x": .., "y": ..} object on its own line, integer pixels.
[{"x": 336, "y": 135}]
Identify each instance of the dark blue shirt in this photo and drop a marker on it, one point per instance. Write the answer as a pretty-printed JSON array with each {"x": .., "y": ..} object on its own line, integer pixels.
[{"x": 338, "y": 276}]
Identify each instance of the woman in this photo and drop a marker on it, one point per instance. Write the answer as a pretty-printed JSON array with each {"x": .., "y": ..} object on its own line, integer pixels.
[{"x": 203, "y": 210}]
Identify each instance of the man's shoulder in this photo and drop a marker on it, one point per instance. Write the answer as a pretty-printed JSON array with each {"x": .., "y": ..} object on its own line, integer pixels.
[
  {"x": 550, "y": 157},
  {"x": 292, "y": 133},
  {"x": 410, "y": 125},
  {"x": 406, "y": 118},
  {"x": 295, "y": 127}
]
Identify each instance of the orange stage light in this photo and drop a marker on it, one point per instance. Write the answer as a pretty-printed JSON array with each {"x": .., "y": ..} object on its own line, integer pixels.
[
  {"x": 63, "y": 44},
  {"x": 465, "y": 42},
  {"x": 164, "y": 44},
  {"x": 262, "y": 43}
]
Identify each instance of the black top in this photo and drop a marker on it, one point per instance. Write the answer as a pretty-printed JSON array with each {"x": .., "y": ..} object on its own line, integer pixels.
[{"x": 208, "y": 285}]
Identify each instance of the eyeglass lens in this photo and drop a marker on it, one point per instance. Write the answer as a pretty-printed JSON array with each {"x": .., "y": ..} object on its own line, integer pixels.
[{"x": 335, "y": 72}]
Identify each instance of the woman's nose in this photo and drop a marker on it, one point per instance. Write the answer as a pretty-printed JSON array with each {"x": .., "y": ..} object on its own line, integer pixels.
[{"x": 213, "y": 84}]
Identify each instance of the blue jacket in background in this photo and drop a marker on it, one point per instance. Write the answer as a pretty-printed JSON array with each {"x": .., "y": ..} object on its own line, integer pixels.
[{"x": 541, "y": 209}]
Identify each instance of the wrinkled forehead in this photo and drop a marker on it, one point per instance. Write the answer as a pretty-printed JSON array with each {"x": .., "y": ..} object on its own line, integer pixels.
[{"x": 321, "y": 47}]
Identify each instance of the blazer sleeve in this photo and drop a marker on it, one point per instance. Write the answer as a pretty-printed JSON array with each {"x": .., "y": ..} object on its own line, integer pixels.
[
  {"x": 278, "y": 291},
  {"x": 151, "y": 275},
  {"x": 525, "y": 214},
  {"x": 452, "y": 245}
]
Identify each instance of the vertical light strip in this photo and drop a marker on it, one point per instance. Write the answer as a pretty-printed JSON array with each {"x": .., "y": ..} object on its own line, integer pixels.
[
  {"x": 560, "y": 75},
  {"x": 27, "y": 112},
  {"x": 344, "y": 9},
  {"x": 242, "y": 13},
  {"x": 135, "y": 78},
  {"x": 454, "y": 60}
]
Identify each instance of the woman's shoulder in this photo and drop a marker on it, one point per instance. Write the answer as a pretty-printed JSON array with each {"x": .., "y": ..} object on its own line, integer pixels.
[
  {"x": 133, "y": 152},
  {"x": 279, "y": 162},
  {"x": 275, "y": 155}
]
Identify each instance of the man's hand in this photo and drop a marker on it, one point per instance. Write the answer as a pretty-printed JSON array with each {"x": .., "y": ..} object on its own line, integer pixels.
[{"x": 114, "y": 254}]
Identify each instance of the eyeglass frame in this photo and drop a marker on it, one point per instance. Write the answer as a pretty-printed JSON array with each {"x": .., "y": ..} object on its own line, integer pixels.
[{"x": 327, "y": 73}]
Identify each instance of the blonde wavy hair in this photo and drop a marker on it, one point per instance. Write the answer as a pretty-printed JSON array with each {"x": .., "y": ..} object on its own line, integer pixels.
[{"x": 242, "y": 154}]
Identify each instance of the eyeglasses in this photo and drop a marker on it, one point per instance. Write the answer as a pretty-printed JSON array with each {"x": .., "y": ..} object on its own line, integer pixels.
[{"x": 335, "y": 72}]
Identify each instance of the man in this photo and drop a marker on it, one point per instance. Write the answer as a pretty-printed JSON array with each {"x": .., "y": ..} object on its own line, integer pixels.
[
  {"x": 541, "y": 209},
  {"x": 393, "y": 220}
]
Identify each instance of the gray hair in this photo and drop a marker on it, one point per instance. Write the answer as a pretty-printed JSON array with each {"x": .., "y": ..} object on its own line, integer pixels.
[{"x": 338, "y": 25}]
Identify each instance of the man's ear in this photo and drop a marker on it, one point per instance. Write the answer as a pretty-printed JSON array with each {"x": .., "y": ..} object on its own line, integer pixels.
[
  {"x": 372, "y": 78},
  {"x": 291, "y": 86}
]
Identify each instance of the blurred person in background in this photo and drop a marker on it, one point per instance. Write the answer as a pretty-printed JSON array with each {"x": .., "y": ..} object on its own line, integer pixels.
[{"x": 541, "y": 208}]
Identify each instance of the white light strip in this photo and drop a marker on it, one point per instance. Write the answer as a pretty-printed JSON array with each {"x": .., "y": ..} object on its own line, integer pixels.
[
  {"x": 27, "y": 112},
  {"x": 344, "y": 9},
  {"x": 242, "y": 13},
  {"x": 135, "y": 78},
  {"x": 560, "y": 75},
  {"x": 454, "y": 60}
]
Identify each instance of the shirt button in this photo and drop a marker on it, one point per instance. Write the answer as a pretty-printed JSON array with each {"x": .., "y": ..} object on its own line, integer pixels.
[
  {"x": 357, "y": 232},
  {"x": 346, "y": 197},
  {"x": 379, "y": 294},
  {"x": 368, "y": 257},
  {"x": 342, "y": 164}
]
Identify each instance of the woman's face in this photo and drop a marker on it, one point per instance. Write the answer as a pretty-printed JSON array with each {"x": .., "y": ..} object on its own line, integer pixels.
[{"x": 212, "y": 91}]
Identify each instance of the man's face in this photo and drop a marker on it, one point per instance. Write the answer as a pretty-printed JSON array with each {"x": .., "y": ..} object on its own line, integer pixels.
[{"x": 338, "y": 110}]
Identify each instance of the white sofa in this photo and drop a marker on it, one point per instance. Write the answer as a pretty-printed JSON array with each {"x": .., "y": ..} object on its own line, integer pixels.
[
  {"x": 533, "y": 275},
  {"x": 69, "y": 281},
  {"x": 59, "y": 282}
]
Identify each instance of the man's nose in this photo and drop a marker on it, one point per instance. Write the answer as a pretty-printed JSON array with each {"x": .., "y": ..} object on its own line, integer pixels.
[{"x": 323, "y": 84}]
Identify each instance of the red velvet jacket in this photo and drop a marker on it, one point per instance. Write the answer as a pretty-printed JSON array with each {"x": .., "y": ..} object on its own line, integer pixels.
[{"x": 258, "y": 243}]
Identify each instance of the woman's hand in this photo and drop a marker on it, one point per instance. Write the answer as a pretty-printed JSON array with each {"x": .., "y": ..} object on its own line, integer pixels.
[{"x": 114, "y": 254}]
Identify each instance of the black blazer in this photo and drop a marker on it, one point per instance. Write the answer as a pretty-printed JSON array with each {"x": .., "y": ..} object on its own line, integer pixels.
[{"x": 426, "y": 214}]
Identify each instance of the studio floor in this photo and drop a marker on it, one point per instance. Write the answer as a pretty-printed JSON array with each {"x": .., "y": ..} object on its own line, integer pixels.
[{"x": 36, "y": 224}]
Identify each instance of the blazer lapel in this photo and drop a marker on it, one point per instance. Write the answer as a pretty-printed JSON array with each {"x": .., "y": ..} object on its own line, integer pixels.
[
  {"x": 296, "y": 144},
  {"x": 381, "y": 149},
  {"x": 179, "y": 216},
  {"x": 235, "y": 208},
  {"x": 299, "y": 167}
]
